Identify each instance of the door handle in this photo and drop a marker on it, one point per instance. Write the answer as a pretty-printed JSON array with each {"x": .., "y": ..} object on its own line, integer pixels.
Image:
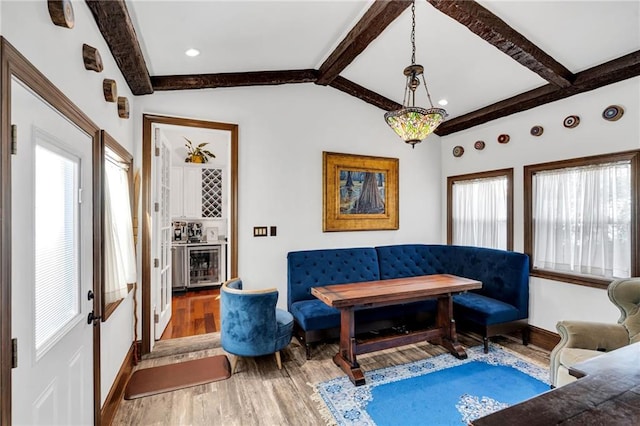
[{"x": 92, "y": 318}]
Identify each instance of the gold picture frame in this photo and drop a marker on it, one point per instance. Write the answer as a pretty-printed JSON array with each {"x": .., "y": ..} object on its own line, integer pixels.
[{"x": 360, "y": 192}]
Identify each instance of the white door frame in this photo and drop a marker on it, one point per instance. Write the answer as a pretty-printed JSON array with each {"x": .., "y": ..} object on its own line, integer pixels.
[
  {"x": 148, "y": 120},
  {"x": 14, "y": 65}
]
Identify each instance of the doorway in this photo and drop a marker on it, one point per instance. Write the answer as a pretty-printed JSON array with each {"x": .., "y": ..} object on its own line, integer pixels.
[{"x": 152, "y": 125}]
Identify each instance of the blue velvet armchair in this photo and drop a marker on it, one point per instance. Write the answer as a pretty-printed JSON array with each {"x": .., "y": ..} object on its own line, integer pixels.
[{"x": 251, "y": 323}]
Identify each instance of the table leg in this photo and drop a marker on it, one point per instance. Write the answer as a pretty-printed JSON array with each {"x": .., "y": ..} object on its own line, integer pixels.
[
  {"x": 346, "y": 356},
  {"x": 446, "y": 322}
]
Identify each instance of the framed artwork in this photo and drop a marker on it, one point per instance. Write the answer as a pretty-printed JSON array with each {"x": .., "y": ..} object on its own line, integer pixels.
[
  {"x": 212, "y": 234},
  {"x": 360, "y": 193}
]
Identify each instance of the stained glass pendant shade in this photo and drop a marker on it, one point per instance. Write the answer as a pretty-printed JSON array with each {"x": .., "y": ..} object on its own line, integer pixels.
[{"x": 412, "y": 123}]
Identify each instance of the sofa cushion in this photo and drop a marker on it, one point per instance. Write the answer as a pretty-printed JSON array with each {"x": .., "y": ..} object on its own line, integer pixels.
[
  {"x": 315, "y": 315},
  {"x": 483, "y": 310},
  {"x": 312, "y": 268}
]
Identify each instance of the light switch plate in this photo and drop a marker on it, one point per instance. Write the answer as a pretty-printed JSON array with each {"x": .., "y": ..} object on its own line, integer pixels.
[{"x": 260, "y": 231}]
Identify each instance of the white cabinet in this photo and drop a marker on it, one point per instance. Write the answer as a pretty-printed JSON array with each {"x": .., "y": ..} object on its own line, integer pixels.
[
  {"x": 193, "y": 192},
  {"x": 176, "y": 196},
  {"x": 196, "y": 192}
]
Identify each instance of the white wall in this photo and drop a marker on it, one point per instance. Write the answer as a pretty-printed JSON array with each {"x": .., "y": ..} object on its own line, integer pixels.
[
  {"x": 551, "y": 301},
  {"x": 282, "y": 133},
  {"x": 57, "y": 53}
]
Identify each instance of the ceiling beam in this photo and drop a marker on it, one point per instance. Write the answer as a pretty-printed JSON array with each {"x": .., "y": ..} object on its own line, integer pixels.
[
  {"x": 235, "y": 79},
  {"x": 619, "y": 69},
  {"x": 371, "y": 25},
  {"x": 117, "y": 29},
  {"x": 496, "y": 32},
  {"x": 364, "y": 94}
]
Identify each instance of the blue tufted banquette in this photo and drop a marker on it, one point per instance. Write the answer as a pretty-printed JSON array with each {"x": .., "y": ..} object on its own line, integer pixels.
[{"x": 501, "y": 306}]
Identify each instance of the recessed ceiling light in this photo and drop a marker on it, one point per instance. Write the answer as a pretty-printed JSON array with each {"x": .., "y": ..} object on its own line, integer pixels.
[
  {"x": 443, "y": 102},
  {"x": 192, "y": 52}
]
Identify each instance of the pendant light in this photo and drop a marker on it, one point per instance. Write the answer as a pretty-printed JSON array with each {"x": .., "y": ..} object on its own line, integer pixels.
[{"x": 412, "y": 123}]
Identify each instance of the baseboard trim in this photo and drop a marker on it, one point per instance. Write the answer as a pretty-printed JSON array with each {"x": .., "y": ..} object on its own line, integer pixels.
[
  {"x": 542, "y": 338},
  {"x": 112, "y": 403}
]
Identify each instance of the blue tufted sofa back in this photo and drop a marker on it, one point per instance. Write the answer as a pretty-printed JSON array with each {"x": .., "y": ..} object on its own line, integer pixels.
[
  {"x": 410, "y": 260},
  {"x": 312, "y": 268},
  {"x": 504, "y": 274}
]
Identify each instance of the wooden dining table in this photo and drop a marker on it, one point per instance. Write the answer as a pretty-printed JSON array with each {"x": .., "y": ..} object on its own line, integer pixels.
[{"x": 371, "y": 294}]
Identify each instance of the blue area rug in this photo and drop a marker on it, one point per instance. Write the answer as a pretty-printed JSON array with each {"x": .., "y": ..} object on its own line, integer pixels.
[{"x": 442, "y": 390}]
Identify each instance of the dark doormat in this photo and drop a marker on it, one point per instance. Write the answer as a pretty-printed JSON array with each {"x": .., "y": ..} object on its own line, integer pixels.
[{"x": 166, "y": 378}]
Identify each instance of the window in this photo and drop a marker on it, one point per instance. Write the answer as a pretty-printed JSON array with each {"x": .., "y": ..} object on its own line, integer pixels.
[
  {"x": 581, "y": 219},
  {"x": 119, "y": 248},
  {"x": 480, "y": 209},
  {"x": 57, "y": 238}
]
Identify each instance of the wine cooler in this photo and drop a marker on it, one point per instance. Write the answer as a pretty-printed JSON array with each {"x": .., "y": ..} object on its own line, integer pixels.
[{"x": 206, "y": 265}]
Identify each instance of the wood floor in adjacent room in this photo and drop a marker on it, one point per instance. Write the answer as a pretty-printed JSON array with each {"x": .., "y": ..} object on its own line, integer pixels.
[
  {"x": 193, "y": 312},
  {"x": 259, "y": 393}
]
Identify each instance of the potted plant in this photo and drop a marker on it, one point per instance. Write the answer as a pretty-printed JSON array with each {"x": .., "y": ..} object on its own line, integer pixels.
[{"x": 197, "y": 154}]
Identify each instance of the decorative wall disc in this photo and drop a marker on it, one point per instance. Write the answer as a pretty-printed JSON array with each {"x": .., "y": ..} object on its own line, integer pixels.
[
  {"x": 571, "y": 121},
  {"x": 458, "y": 151},
  {"x": 479, "y": 145},
  {"x": 92, "y": 59},
  {"x": 504, "y": 138},
  {"x": 123, "y": 107},
  {"x": 613, "y": 113},
  {"x": 61, "y": 13},
  {"x": 537, "y": 130},
  {"x": 110, "y": 90}
]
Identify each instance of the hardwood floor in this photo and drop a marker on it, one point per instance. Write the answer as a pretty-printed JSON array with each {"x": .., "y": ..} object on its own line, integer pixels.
[
  {"x": 193, "y": 312},
  {"x": 259, "y": 393}
]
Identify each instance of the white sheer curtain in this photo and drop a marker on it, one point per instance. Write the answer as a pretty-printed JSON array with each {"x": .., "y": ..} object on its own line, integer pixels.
[
  {"x": 480, "y": 212},
  {"x": 582, "y": 220},
  {"x": 119, "y": 252}
]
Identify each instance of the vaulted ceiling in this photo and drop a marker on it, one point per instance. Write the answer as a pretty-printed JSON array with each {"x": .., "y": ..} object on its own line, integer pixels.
[{"x": 488, "y": 59}]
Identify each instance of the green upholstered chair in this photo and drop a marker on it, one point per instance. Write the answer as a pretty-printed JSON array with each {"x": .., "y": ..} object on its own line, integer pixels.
[
  {"x": 582, "y": 340},
  {"x": 251, "y": 325}
]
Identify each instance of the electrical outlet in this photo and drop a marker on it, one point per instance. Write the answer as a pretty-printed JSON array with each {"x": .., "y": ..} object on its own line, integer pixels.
[
  {"x": 260, "y": 231},
  {"x": 272, "y": 231}
]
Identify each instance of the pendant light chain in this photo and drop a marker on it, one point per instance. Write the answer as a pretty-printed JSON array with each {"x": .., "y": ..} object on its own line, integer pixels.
[
  {"x": 427, "y": 89},
  {"x": 413, "y": 32}
]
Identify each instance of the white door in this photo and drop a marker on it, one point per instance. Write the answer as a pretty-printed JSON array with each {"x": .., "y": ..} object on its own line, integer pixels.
[
  {"x": 52, "y": 255},
  {"x": 162, "y": 231}
]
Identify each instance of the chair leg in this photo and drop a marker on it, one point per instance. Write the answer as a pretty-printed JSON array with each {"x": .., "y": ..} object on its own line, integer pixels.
[
  {"x": 278, "y": 360},
  {"x": 485, "y": 340},
  {"x": 234, "y": 364}
]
